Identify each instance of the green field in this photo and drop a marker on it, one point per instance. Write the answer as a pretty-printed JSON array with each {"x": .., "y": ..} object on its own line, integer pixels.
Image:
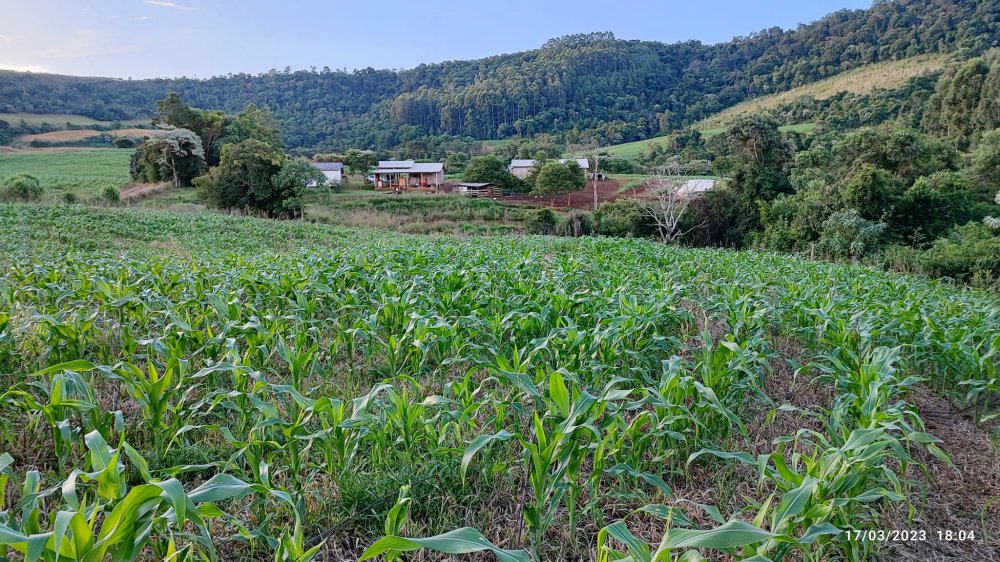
[
  {"x": 861, "y": 80},
  {"x": 241, "y": 389},
  {"x": 633, "y": 150},
  {"x": 419, "y": 213},
  {"x": 59, "y": 120},
  {"x": 83, "y": 172}
]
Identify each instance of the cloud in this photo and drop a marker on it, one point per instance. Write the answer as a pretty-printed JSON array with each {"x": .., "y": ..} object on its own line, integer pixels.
[
  {"x": 143, "y": 18},
  {"x": 5, "y": 39},
  {"x": 166, "y": 4},
  {"x": 24, "y": 68}
]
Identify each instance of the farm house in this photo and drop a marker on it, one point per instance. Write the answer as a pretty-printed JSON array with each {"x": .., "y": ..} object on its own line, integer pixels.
[
  {"x": 334, "y": 172},
  {"x": 408, "y": 175},
  {"x": 521, "y": 168}
]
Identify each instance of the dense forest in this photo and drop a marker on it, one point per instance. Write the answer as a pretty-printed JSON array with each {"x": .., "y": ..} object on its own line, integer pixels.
[{"x": 620, "y": 90}]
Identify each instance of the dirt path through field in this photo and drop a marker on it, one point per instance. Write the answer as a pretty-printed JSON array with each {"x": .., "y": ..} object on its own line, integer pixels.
[
  {"x": 140, "y": 190},
  {"x": 965, "y": 497}
]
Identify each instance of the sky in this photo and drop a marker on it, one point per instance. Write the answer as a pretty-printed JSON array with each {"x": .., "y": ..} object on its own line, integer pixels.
[{"x": 204, "y": 38}]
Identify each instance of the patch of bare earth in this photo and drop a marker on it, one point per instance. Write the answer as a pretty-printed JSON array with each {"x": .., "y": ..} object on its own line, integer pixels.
[
  {"x": 140, "y": 190},
  {"x": 963, "y": 497}
]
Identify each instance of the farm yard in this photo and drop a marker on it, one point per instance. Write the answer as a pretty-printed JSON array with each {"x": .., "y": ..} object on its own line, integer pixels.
[{"x": 199, "y": 386}]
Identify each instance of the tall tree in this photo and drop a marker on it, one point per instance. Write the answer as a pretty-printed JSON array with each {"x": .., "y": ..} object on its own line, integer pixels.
[
  {"x": 761, "y": 155},
  {"x": 243, "y": 179},
  {"x": 668, "y": 204},
  {"x": 257, "y": 123},
  {"x": 207, "y": 124},
  {"x": 553, "y": 180},
  {"x": 172, "y": 154}
]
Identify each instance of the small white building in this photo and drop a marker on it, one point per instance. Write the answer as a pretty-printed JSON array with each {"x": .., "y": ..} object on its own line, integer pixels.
[
  {"x": 521, "y": 168},
  {"x": 696, "y": 187},
  {"x": 334, "y": 172}
]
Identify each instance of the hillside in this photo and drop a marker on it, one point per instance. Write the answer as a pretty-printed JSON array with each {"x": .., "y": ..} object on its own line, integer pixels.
[
  {"x": 864, "y": 80},
  {"x": 623, "y": 89}
]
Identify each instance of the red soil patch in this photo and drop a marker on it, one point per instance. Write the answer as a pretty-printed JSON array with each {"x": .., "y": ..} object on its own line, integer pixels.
[
  {"x": 607, "y": 191},
  {"x": 140, "y": 190}
]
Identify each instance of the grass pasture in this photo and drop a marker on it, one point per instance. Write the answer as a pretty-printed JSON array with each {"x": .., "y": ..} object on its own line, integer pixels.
[
  {"x": 636, "y": 149},
  {"x": 82, "y": 172},
  {"x": 861, "y": 80},
  {"x": 76, "y": 135},
  {"x": 60, "y": 120},
  {"x": 418, "y": 213},
  {"x": 217, "y": 387}
]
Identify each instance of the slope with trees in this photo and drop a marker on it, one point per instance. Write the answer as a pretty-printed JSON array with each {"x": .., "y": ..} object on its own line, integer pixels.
[{"x": 623, "y": 90}]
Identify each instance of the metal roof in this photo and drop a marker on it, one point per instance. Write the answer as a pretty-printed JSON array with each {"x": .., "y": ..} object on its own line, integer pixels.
[
  {"x": 474, "y": 185},
  {"x": 693, "y": 187},
  {"x": 522, "y": 163},
  {"x": 395, "y": 164},
  {"x": 408, "y": 167},
  {"x": 328, "y": 166}
]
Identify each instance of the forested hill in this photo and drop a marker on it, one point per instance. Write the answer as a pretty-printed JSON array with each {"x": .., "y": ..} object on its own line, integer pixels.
[{"x": 627, "y": 90}]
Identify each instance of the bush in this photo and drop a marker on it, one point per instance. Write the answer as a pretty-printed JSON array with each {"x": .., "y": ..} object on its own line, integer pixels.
[
  {"x": 69, "y": 198},
  {"x": 111, "y": 194},
  {"x": 971, "y": 253},
  {"x": 577, "y": 223},
  {"x": 847, "y": 235},
  {"x": 696, "y": 167},
  {"x": 23, "y": 187},
  {"x": 623, "y": 218},
  {"x": 544, "y": 221},
  {"x": 932, "y": 206},
  {"x": 124, "y": 142}
]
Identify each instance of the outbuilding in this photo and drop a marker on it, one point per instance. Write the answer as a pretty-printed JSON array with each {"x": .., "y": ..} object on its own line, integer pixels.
[
  {"x": 478, "y": 189},
  {"x": 334, "y": 172}
]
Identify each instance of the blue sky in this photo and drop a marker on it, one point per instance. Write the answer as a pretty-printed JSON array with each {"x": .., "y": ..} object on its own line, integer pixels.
[{"x": 202, "y": 38}]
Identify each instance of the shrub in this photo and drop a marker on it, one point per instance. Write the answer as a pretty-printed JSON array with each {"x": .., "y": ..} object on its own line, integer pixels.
[
  {"x": 971, "y": 253},
  {"x": 577, "y": 223},
  {"x": 932, "y": 206},
  {"x": 124, "y": 142},
  {"x": 69, "y": 198},
  {"x": 623, "y": 218},
  {"x": 696, "y": 167},
  {"x": 111, "y": 194},
  {"x": 544, "y": 221},
  {"x": 847, "y": 235},
  {"x": 23, "y": 187}
]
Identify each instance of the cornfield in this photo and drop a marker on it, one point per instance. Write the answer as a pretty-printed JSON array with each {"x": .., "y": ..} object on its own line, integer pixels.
[{"x": 191, "y": 387}]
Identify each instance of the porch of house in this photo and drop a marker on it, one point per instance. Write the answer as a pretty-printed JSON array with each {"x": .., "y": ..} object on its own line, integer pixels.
[{"x": 408, "y": 181}]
